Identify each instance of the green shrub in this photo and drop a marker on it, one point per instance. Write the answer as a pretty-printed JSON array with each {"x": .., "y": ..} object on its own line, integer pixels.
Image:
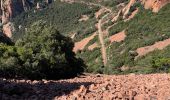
[
  {"x": 42, "y": 53},
  {"x": 161, "y": 64}
]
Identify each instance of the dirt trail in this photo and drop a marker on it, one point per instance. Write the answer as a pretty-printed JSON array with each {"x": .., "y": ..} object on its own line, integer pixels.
[
  {"x": 103, "y": 48},
  {"x": 158, "y": 45},
  {"x": 80, "y": 45},
  {"x": 101, "y": 39},
  {"x": 89, "y": 87},
  {"x": 94, "y": 4}
]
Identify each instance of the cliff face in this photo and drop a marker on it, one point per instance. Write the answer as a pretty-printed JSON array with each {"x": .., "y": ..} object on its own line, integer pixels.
[
  {"x": 11, "y": 8},
  {"x": 8, "y": 10},
  {"x": 155, "y": 5}
]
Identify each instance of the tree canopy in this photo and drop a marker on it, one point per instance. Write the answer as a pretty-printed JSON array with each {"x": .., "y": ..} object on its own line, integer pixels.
[{"x": 42, "y": 53}]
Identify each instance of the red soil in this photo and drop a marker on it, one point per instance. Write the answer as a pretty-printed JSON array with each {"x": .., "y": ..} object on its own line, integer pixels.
[
  {"x": 118, "y": 37},
  {"x": 93, "y": 46},
  {"x": 158, "y": 45},
  {"x": 81, "y": 44},
  {"x": 132, "y": 15}
]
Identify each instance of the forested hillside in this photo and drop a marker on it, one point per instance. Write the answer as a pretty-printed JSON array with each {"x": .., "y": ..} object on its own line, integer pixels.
[
  {"x": 111, "y": 37},
  {"x": 62, "y": 15},
  {"x": 85, "y": 50}
]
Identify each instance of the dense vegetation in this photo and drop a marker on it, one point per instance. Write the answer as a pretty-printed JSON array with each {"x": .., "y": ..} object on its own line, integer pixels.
[
  {"x": 143, "y": 30},
  {"x": 62, "y": 15},
  {"x": 42, "y": 53},
  {"x": 157, "y": 61},
  {"x": 107, "y": 3},
  {"x": 42, "y": 56}
]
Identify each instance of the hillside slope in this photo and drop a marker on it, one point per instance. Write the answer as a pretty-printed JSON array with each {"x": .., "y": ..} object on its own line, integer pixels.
[
  {"x": 125, "y": 32},
  {"x": 127, "y": 38},
  {"x": 144, "y": 29}
]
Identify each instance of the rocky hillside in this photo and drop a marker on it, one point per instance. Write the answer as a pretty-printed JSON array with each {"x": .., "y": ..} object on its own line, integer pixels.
[
  {"x": 135, "y": 38},
  {"x": 112, "y": 37},
  {"x": 127, "y": 38},
  {"x": 90, "y": 87}
]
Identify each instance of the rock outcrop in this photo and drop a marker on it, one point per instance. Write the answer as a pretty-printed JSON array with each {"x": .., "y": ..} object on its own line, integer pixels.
[
  {"x": 154, "y": 5},
  {"x": 10, "y": 9}
]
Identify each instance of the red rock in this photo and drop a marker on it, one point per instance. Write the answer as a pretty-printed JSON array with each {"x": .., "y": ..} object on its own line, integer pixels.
[{"x": 139, "y": 87}]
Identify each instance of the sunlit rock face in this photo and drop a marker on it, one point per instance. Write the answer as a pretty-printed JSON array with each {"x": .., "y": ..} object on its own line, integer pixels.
[
  {"x": 11, "y": 8},
  {"x": 155, "y": 5}
]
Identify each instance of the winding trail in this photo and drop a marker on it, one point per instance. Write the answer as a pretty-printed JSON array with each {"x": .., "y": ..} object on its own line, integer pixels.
[
  {"x": 103, "y": 49},
  {"x": 101, "y": 32},
  {"x": 101, "y": 39},
  {"x": 94, "y": 4},
  {"x": 99, "y": 27}
]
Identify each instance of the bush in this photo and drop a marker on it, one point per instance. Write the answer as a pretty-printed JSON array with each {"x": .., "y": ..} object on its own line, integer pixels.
[
  {"x": 42, "y": 53},
  {"x": 161, "y": 64}
]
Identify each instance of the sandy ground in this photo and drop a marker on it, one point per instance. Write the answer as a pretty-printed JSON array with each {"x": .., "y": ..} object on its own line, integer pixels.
[
  {"x": 89, "y": 87},
  {"x": 81, "y": 44},
  {"x": 93, "y": 46},
  {"x": 118, "y": 37},
  {"x": 160, "y": 45}
]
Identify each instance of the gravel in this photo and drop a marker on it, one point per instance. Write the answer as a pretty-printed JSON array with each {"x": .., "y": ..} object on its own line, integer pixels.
[{"x": 89, "y": 87}]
